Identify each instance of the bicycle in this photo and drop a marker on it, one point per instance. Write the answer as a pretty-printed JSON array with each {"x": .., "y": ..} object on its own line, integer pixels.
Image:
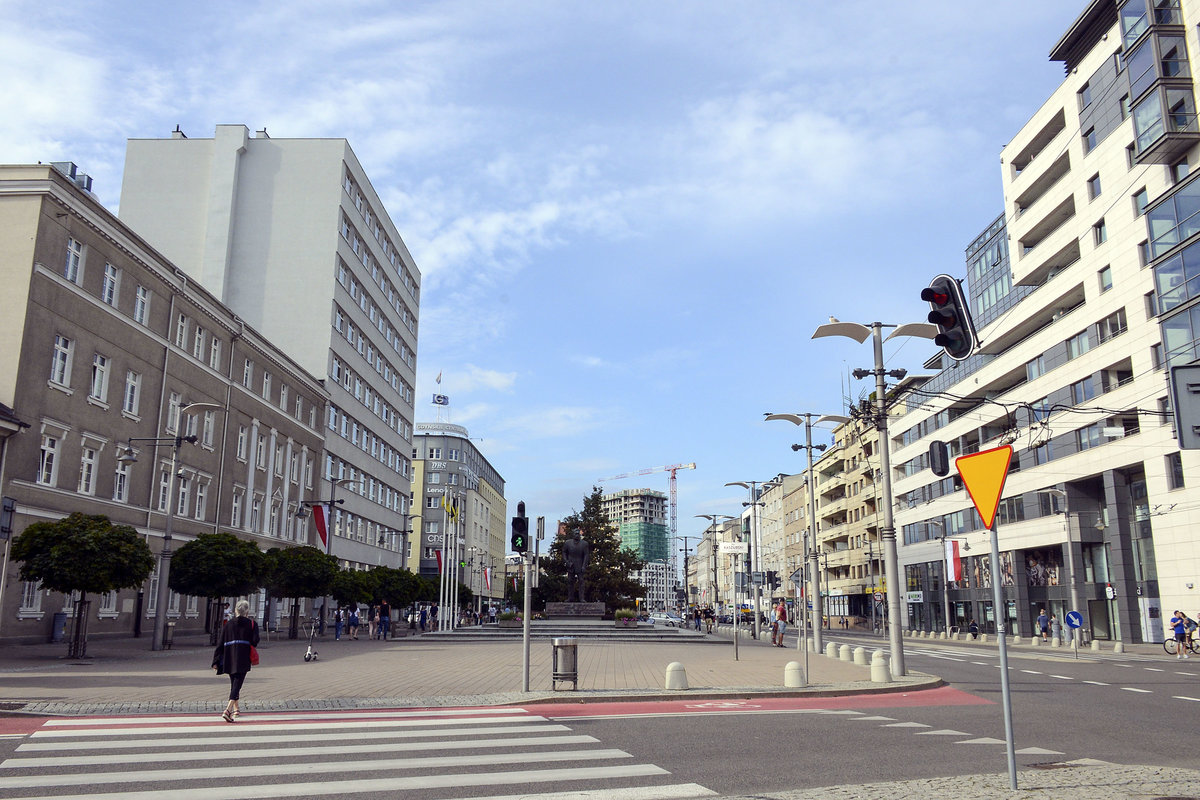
[{"x": 1171, "y": 646}]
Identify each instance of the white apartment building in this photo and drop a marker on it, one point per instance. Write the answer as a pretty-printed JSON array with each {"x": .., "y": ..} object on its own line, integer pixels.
[
  {"x": 293, "y": 237},
  {"x": 1083, "y": 293}
]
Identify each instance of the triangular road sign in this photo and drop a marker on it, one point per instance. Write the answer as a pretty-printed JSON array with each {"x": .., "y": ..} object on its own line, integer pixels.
[{"x": 983, "y": 474}]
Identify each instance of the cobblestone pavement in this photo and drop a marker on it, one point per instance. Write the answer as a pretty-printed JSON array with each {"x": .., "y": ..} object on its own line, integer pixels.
[{"x": 1073, "y": 780}]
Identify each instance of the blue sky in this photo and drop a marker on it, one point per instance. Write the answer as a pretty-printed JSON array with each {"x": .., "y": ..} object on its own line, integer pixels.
[{"x": 629, "y": 216}]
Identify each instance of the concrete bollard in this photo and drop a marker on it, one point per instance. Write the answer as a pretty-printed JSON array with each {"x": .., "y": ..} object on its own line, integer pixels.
[
  {"x": 1095, "y": 645},
  {"x": 942, "y": 635},
  {"x": 1056, "y": 642},
  {"x": 983, "y": 637},
  {"x": 860, "y": 656},
  {"x": 831, "y": 650},
  {"x": 793, "y": 675},
  {"x": 879, "y": 668},
  {"x": 1035, "y": 641},
  {"x": 844, "y": 653},
  {"x": 1119, "y": 647},
  {"x": 676, "y": 677}
]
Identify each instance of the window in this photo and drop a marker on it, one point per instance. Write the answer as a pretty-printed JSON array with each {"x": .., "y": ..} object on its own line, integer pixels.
[
  {"x": 1179, "y": 171},
  {"x": 260, "y": 451},
  {"x": 214, "y": 352},
  {"x": 60, "y": 364},
  {"x": 1093, "y": 186},
  {"x": 99, "y": 386},
  {"x": 48, "y": 461},
  {"x": 453, "y": 454},
  {"x": 164, "y": 490},
  {"x": 1035, "y": 368},
  {"x": 235, "y": 515},
  {"x": 112, "y": 283},
  {"x": 283, "y": 397},
  {"x": 241, "y": 443},
  {"x": 435, "y": 477},
  {"x": 198, "y": 344},
  {"x": 210, "y": 423},
  {"x": 1040, "y": 409},
  {"x": 1078, "y": 344},
  {"x": 141, "y": 305},
  {"x": 181, "y": 326},
  {"x": 247, "y": 373},
  {"x": 87, "y": 471},
  {"x": 121, "y": 482},
  {"x": 133, "y": 393},
  {"x": 73, "y": 269},
  {"x": 1174, "y": 471},
  {"x": 1125, "y": 107},
  {"x": 183, "y": 496},
  {"x": 1105, "y": 276},
  {"x": 435, "y": 453},
  {"x": 1089, "y": 437},
  {"x": 1085, "y": 96},
  {"x": 1112, "y": 325},
  {"x": 1083, "y": 390},
  {"x": 201, "y": 500},
  {"x": 432, "y": 501},
  {"x": 1089, "y": 140},
  {"x": 266, "y": 386},
  {"x": 1100, "y": 232},
  {"x": 173, "y": 405},
  {"x": 1140, "y": 200}
]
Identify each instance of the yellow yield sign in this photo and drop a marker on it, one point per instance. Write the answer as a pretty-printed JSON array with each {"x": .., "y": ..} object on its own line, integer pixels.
[{"x": 983, "y": 474}]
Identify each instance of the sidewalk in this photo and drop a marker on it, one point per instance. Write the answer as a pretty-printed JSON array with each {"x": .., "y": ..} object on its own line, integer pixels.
[{"x": 125, "y": 676}]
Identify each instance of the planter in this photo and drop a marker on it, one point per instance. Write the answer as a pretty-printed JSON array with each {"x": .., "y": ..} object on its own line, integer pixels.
[
  {"x": 510, "y": 623},
  {"x": 626, "y": 623}
]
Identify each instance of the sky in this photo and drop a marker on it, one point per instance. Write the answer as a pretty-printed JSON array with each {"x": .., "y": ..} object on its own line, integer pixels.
[{"x": 629, "y": 217}]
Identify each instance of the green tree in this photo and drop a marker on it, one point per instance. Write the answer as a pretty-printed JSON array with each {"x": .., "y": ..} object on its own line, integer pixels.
[
  {"x": 297, "y": 572},
  {"x": 398, "y": 587},
  {"x": 351, "y": 587},
  {"x": 83, "y": 553},
  {"x": 609, "y": 577},
  {"x": 216, "y": 566}
]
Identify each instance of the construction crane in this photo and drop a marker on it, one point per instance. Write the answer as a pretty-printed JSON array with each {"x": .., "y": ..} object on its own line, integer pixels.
[{"x": 671, "y": 468}]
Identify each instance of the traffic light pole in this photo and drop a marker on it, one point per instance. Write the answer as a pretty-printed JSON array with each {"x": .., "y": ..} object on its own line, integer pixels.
[{"x": 525, "y": 625}]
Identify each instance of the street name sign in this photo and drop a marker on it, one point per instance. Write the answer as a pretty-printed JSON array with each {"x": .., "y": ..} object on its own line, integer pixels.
[{"x": 733, "y": 547}]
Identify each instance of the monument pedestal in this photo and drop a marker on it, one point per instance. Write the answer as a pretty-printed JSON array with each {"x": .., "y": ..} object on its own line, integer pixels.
[{"x": 574, "y": 610}]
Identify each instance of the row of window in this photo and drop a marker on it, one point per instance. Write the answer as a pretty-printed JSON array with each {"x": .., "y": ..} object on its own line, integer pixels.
[
  {"x": 110, "y": 288},
  {"x": 373, "y": 357},
  {"x": 361, "y": 436},
  {"x": 342, "y": 374},
  {"x": 372, "y": 224},
  {"x": 365, "y": 485}
]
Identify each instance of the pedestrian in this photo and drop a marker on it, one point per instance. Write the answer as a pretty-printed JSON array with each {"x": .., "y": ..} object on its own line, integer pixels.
[
  {"x": 780, "y": 626},
  {"x": 1055, "y": 628},
  {"x": 424, "y": 617},
  {"x": 353, "y": 632},
  {"x": 372, "y": 621},
  {"x": 1179, "y": 626},
  {"x": 492, "y": 614},
  {"x": 232, "y": 655},
  {"x": 973, "y": 628},
  {"x": 385, "y": 619},
  {"x": 339, "y": 619},
  {"x": 1043, "y": 623}
]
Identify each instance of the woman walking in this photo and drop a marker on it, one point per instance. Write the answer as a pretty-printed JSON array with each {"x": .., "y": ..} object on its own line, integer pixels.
[{"x": 232, "y": 655}]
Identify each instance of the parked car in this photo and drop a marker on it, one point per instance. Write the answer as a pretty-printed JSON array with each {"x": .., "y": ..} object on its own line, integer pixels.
[{"x": 668, "y": 619}]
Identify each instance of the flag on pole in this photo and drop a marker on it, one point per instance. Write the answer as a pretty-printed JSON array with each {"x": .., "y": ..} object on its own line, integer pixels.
[
  {"x": 438, "y": 553},
  {"x": 514, "y": 580},
  {"x": 438, "y": 379},
  {"x": 953, "y": 561},
  {"x": 321, "y": 518},
  {"x": 487, "y": 577}
]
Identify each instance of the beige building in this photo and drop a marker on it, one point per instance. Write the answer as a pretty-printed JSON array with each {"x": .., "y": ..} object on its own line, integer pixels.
[{"x": 108, "y": 345}]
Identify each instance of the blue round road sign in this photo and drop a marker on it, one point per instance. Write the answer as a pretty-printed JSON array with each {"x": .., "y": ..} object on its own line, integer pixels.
[{"x": 1074, "y": 619}]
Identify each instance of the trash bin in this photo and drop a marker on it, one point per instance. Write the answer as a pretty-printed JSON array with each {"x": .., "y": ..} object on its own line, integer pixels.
[
  {"x": 168, "y": 636},
  {"x": 566, "y": 662},
  {"x": 58, "y": 632}
]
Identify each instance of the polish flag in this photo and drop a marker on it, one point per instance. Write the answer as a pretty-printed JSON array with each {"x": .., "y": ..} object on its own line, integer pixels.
[
  {"x": 487, "y": 577},
  {"x": 953, "y": 561},
  {"x": 321, "y": 518},
  {"x": 438, "y": 553}
]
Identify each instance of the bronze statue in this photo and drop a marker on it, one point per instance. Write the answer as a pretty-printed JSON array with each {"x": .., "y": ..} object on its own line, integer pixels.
[{"x": 576, "y": 553}]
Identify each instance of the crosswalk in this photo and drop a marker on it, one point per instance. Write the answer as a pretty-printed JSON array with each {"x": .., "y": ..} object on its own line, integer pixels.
[{"x": 435, "y": 754}]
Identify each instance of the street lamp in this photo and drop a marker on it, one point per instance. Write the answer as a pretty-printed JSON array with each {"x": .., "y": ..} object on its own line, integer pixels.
[
  {"x": 756, "y": 556},
  {"x": 127, "y": 456},
  {"x": 326, "y": 523},
  {"x": 891, "y": 566},
  {"x": 814, "y": 578},
  {"x": 1075, "y": 600},
  {"x": 713, "y": 520}
]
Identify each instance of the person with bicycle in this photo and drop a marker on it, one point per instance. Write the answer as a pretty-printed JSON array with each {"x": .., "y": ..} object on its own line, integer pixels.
[{"x": 1179, "y": 626}]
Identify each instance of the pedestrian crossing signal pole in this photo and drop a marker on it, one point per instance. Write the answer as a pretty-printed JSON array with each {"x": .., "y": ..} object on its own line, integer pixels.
[{"x": 520, "y": 544}]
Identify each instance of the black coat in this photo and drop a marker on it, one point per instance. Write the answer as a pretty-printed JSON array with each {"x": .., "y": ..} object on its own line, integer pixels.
[{"x": 232, "y": 654}]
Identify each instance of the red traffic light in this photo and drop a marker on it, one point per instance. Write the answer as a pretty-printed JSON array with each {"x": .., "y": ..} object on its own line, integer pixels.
[
  {"x": 951, "y": 313},
  {"x": 931, "y": 295}
]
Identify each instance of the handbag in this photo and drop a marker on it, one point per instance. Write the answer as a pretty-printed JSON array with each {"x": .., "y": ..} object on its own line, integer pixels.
[{"x": 253, "y": 656}]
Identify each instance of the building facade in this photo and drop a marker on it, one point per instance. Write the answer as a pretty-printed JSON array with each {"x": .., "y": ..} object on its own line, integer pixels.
[
  {"x": 109, "y": 346},
  {"x": 1093, "y": 257},
  {"x": 641, "y": 519},
  {"x": 450, "y": 470},
  {"x": 293, "y": 237}
]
